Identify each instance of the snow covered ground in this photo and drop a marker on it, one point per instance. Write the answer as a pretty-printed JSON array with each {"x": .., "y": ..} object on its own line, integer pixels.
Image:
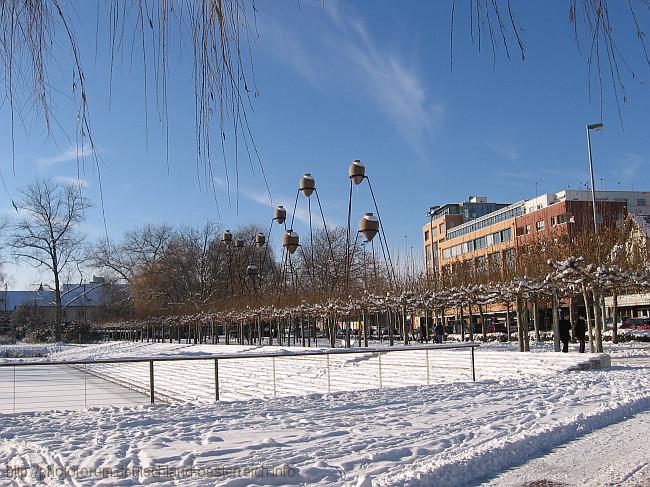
[
  {"x": 452, "y": 432},
  {"x": 619, "y": 450}
]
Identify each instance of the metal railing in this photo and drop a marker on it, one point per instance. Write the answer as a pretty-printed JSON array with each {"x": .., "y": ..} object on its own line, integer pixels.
[{"x": 74, "y": 384}]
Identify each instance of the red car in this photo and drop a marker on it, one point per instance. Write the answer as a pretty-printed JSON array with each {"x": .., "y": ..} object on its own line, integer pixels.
[{"x": 636, "y": 324}]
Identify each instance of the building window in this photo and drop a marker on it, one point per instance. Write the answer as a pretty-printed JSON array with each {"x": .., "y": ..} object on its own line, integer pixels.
[
  {"x": 506, "y": 235},
  {"x": 540, "y": 226},
  {"x": 641, "y": 202},
  {"x": 426, "y": 235},
  {"x": 527, "y": 230},
  {"x": 553, "y": 221},
  {"x": 479, "y": 264}
]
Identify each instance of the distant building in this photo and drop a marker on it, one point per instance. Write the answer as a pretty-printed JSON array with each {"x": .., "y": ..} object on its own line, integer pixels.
[
  {"x": 445, "y": 217},
  {"x": 494, "y": 235},
  {"x": 81, "y": 302}
]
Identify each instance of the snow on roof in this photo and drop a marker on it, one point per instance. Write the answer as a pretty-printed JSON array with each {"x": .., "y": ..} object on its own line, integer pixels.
[{"x": 73, "y": 295}]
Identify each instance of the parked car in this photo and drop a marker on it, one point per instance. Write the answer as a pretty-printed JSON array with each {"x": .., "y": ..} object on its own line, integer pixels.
[
  {"x": 496, "y": 326},
  {"x": 636, "y": 324}
]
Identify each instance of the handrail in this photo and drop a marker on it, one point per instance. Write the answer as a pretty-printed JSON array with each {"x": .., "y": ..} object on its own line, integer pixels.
[
  {"x": 244, "y": 355},
  {"x": 151, "y": 360}
]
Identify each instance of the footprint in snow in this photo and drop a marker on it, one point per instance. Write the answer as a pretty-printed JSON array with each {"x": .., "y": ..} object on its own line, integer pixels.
[{"x": 211, "y": 438}]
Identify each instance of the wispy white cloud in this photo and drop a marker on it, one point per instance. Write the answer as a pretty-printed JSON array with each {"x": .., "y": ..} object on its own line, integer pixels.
[
  {"x": 504, "y": 149},
  {"x": 346, "y": 53},
  {"x": 395, "y": 87},
  {"x": 71, "y": 154},
  {"x": 81, "y": 182}
]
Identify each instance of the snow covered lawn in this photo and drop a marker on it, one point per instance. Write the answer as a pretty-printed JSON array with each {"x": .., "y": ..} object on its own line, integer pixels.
[{"x": 448, "y": 433}]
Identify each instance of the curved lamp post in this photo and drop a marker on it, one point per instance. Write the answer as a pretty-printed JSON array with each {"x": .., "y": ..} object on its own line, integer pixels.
[
  {"x": 307, "y": 184},
  {"x": 369, "y": 226},
  {"x": 357, "y": 171},
  {"x": 290, "y": 241}
]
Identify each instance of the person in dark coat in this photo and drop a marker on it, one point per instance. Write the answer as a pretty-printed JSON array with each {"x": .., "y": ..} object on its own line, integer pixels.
[
  {"x": 581, "y": 329},
  {"x": 565, "y": 331},
  {"x": 440, "y": 333}
]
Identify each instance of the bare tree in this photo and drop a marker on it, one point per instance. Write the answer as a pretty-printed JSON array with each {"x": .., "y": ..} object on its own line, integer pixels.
[
  {"x": 138, "y": 251},
  {"x": 48, "y": 233}
]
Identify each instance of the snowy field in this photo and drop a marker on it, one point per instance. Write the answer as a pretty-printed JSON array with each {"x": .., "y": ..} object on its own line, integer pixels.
[{"x": 528, "y": 420}]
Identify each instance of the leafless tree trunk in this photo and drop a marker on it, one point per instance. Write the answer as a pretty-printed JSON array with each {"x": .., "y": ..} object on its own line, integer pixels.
[{"x": 614, "y": 316}]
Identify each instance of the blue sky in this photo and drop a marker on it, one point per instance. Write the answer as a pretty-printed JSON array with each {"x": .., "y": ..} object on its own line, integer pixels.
[{"x": 368, "y": 80}]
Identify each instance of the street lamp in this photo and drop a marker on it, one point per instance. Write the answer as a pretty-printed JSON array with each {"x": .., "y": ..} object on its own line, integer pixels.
[
  {"x": 590, "y": 127},
  {"x": 430, "y": 213}
]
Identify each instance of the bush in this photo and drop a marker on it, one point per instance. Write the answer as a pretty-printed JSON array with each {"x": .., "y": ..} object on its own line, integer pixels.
[{"x": 39, "y": 335}]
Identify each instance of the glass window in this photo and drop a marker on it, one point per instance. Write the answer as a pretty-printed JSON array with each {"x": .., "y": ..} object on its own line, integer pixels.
[
  {"x": 506, "y": 235},
  {"x": 540, "y": 226},
  {"x": 527, "y": 230},
  {"x": 641, "y": 202},
  {"x": 426, "y": 235}
]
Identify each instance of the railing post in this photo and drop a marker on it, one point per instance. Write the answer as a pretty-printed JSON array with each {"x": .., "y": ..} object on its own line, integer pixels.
[
  {"x": 381, "y": 383},
  {"x": 473, "y": 369},
  {"x": 151, "y": 388},
  {"x": 274, "y": 387},
  {"x": 216, "y": 379},
  {"x": 85, "y": 386},
  {"x": 329, "y": 384},
  {"x": 428, "y": 373}
]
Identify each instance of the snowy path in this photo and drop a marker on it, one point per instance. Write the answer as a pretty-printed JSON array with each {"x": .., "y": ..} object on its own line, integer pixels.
[
  {"x": 446, "y": 434},
  {"x": 39, "y": 388},
  {"x": 621, "y": 452}
]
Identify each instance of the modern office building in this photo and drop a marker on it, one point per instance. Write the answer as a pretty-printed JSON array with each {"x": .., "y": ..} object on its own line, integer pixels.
[
  {"x": 443, "y": 218},
  {"x": 492, "y": 233}
]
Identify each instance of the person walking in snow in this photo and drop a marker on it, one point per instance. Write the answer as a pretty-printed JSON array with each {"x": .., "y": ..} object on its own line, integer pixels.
[
  {"x": 581, "y": 329},
  {"x": 440, "y": 333},
  {"x": 565, "y": 331}
]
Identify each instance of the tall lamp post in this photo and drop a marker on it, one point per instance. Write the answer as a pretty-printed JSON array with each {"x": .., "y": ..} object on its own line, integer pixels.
[{"x": 590, "y": 127}]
